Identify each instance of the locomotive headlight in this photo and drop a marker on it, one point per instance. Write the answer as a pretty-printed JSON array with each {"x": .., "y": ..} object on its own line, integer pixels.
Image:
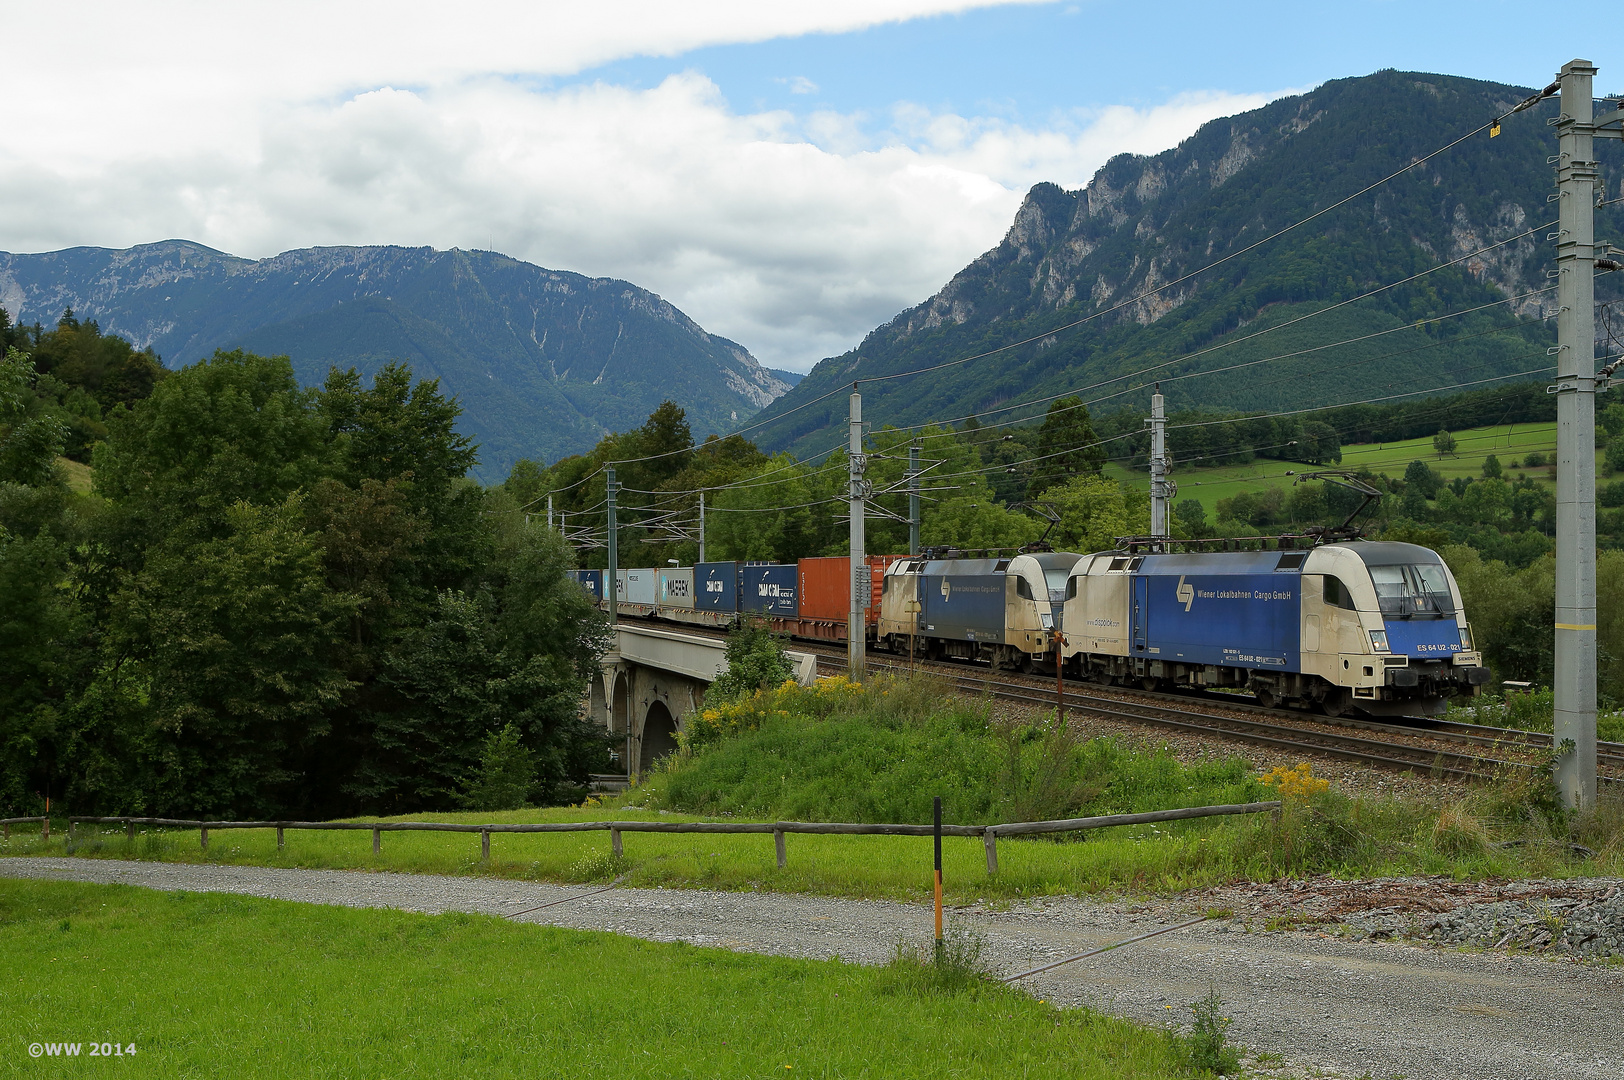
[
  {"x": 1466, "y": 638},
  {"x": 1378, "y": 640},
  {"x": 1048, "y": 620}
]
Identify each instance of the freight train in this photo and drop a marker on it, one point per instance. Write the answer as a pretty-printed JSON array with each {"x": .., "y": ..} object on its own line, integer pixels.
[{"x": 1366, "y": 626}]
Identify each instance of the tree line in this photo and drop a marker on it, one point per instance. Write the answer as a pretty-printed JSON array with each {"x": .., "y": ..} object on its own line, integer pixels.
[{"x": 277, "y": 601}]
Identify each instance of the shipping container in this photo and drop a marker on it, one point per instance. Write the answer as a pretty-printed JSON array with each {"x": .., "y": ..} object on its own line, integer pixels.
[
  {"x": 590, "y": 580},
  {"x": 716, "y": 586},
  {"x": 677, "y": 588},
  {"x": 826, "y": 591},
  {"x": 639, "y": 587},
  {"x": 769, "y": 588}
]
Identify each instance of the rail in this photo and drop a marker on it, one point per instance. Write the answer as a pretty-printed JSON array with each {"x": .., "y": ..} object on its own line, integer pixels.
[{"x": 989, "y": 834}]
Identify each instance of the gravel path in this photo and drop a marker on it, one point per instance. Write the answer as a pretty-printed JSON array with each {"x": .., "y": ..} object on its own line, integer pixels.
[{"x": 1351, "y": 1007}]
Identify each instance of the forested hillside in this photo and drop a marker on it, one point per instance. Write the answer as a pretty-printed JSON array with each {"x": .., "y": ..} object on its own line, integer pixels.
[
  {"x": 544, "y": 362},
  {"x": 1228, "y": 337},
  {"x": 279, "y": 601}
]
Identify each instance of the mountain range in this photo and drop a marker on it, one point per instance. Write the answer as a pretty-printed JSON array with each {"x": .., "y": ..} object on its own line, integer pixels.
[
  {"x": 544, "y": 362},
  {"x": 1163, "y": 269}
]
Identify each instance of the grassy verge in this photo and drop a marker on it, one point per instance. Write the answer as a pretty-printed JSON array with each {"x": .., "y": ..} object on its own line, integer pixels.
[
  {"x": 212, "y": 985},
  {"x": 1533, "y": 711},
  {"x": 837, "y": 753}
]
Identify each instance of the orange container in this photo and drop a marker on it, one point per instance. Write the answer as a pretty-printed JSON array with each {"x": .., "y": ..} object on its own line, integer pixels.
[{"x": 825, "y": 594}]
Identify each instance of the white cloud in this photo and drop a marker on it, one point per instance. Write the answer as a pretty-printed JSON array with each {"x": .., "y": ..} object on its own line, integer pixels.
[{"x": 792, "y": 234}]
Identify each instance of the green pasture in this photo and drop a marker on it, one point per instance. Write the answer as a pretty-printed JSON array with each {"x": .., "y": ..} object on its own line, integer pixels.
[
  {"x": 1511, "y": 443},
  {"x": 207, "y": 984}
]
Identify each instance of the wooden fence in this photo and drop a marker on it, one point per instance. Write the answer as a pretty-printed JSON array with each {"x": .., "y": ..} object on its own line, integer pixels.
[
  {"x": 780, "y": 829},
  {"x": 44, "y": 825}
]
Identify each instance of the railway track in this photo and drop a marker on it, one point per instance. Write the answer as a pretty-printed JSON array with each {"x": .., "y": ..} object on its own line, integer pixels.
[
  {"x": 1278, "y": 728},
  {"x": 1373, "y": 752}
]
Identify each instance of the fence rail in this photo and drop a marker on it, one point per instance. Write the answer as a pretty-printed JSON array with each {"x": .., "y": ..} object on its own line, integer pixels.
[
  {"x": 44, "y": 825},
  {"x": 989, "y": 834}
]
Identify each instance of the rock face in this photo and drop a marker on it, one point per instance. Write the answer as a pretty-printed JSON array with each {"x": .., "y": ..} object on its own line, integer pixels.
[
  {"x": 544, "y": 362},
  {"x": 1170, "y": 258}
]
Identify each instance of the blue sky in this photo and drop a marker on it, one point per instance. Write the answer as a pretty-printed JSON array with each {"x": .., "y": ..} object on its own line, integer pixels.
[
  {"x": 1024, "y": 63},
  {"x": 789, "y": 174}
]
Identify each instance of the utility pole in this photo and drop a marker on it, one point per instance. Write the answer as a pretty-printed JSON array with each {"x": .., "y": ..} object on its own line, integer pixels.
[
  {"x": 611, "y": 583},
  {"x": 1161, "y": 489},
  {"x": 1575, "y": 389},
  {"x": 913, "y": 499},
  {"x": 549, "y": 511},
  {"x": 701, "y": 528},
  {"x": 861, "y": 585}
]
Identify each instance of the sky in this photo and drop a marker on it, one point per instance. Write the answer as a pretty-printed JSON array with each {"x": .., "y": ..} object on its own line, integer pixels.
[{"x": 789, "y": 174}]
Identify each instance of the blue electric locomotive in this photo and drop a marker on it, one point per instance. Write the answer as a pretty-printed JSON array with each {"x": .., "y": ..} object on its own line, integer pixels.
[
  {"x": 1002, "y": 610},
  {"x": 1376, "y": 627}
]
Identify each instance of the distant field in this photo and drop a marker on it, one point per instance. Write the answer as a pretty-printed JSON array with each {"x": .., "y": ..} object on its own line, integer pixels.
[
  {"x": 78, "y": 474},
  {"x": 1511, "y": 443}
]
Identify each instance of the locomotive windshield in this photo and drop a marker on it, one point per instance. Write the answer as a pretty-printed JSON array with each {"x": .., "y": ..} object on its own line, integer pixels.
[
  {"x": 1056, "y": 577},
  {"x": 1407, "y": 590}
]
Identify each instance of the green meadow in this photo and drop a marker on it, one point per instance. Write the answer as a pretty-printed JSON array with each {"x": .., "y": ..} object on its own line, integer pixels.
[
  {"x": 207, "y": 984},
  {"x": 1511, "y": 443}
]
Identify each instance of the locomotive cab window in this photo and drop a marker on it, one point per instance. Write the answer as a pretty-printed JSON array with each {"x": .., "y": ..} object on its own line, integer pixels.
[
  {"x": 1336, "y": 593},
  {"x": 1071, "y": 588},
  {"x": 1023, "y": 589},
  {"x": 1416, "y": 589}
]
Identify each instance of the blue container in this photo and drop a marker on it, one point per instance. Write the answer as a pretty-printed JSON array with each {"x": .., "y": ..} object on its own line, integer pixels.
[
  {"x": 590, "y": 580},
  {"x": 964, "y": 600},
  {"x": 1236, "y": 609},
  {"x": 716, "y": 586},
  {"x": 770, "y": 588}
]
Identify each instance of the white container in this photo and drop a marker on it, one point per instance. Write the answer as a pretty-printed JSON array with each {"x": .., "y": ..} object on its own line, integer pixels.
[
  {"x": 641, "y": 586},
  {"x": 677, "y": 588}
]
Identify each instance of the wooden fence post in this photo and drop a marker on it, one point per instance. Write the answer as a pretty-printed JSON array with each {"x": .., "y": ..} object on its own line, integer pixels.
[
  {"x": 778, "y": 843},
  {"x": 72, "y": 834},
  {"x": 614, "y": 844},
  {"x": 990, "y": 839},
  {"x": 45, "y": 827},
  {"x": 279, "y": 838},
  {"x": 8, "y": 832},
  {"x": 129, "y": 830},
  {"x": 485, "y": 844},
  {"x": 203, "y": 838},
  {"x": 377, "y": 841}
]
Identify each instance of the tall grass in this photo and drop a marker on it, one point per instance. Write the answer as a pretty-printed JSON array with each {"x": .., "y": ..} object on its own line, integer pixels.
[{"x": 882, "y": 753}]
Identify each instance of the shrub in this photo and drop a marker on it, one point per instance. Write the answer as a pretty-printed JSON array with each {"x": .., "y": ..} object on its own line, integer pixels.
[
  {"x": 755, "y": 660},
  {"x": 507, "y": 771},
  {"x": 1295, "y": 783},
  {"x": 1206, "y": 1045}
]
